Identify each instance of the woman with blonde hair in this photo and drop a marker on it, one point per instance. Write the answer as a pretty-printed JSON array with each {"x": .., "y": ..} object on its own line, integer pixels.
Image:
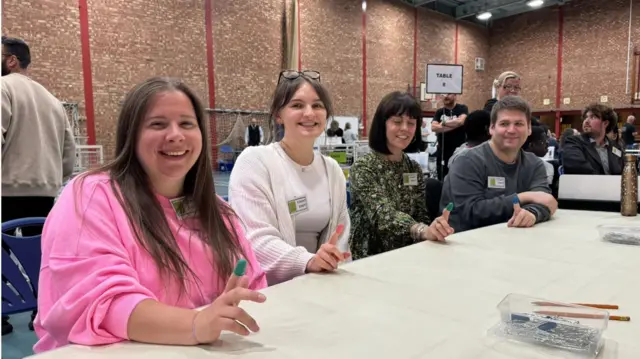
[{"x": 507, "y": 84}]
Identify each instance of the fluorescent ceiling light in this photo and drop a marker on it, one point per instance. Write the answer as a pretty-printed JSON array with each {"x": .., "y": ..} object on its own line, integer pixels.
[
  {"x": 484, "y": 16},
  {"x": 535, "y": 3}
]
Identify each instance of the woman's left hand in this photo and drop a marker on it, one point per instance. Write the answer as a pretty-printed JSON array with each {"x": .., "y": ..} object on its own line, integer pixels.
[{"x": 439, "y": 228}]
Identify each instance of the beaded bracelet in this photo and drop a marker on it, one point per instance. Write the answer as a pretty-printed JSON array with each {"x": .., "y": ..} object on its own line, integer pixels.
[
  {"x": 416, "y": 231},
  {"x": 420, "y": 230}
]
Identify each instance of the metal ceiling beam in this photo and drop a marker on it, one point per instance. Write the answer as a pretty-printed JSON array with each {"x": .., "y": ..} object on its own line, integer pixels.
[
  {"x": 525, "y": 8},
  {"x": 473, "y": 7}
]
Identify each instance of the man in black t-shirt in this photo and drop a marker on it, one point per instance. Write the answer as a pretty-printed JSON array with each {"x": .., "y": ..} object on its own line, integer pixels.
[
  {"x": 629, "y": 132},
  {"x": 447, "y": 124}
]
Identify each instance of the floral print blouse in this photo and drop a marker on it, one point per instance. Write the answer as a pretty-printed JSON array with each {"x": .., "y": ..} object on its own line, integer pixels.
[{"x": 385, "y": 204}]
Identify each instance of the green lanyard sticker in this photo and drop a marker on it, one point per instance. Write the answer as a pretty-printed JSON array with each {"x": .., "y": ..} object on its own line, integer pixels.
[
  {"x": 298, "y": 205},
  {"x": 180, "y": 207},
  {"x": 410, "y": 179}
]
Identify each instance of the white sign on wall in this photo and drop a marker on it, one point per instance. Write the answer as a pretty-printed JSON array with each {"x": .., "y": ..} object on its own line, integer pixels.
[{"x": 444, "y": 79}]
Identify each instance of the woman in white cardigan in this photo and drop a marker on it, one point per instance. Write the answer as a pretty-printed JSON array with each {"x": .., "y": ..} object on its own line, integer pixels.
[{"x": 291, "y": 199}]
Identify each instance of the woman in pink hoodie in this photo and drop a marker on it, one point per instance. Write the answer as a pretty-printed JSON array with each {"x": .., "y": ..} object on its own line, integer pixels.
[{"x": 130, "y": 250}]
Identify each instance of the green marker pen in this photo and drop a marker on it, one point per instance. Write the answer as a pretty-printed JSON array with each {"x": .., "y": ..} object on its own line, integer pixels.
[{"x": 241, "y": 268}]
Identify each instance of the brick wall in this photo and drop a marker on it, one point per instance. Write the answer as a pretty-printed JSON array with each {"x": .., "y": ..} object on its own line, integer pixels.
[
  {"x": 635, "y": 21},
  {"x": 473, "y": 42},
  {"x": 52, "y": 30},
  {"x": 247, "y": 41},
  {"x": 389, "y": 50},
  {"x": 331, "y": 43},
  {"x": 528, "y": 45},
  {"x": 135, "y": 39},
  {"x": 594, "y": 57},
  {"x": 248, "y": 56}
]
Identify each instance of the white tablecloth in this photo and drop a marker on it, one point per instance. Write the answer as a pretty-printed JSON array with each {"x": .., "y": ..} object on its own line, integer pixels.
[{"x": 432, "y": 300}]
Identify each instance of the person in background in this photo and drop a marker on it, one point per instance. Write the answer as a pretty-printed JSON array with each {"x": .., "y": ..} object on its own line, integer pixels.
[
  {"x": 551, "y": 138},
  {"x": 294, "y": 203},
  {"x": 566, "y": 133},
  {"x": 350, "y": 136},
  {"x": 38, "y": 148},
  {"x": 538, "y": 144},
  {"x": 448, "y": 125},
  {"x": 593, "y": 152},
  {"x": 629, "y": 132},
  {"x": 563, "y": 138},
  {"x": 253, "y": 135},
  {"x": 507, "y": 84},
  {"x": 476, "y": 128},
  {"x": 132, "y": 249},
  {"x": 387, "y": 187},
  {"x": 496, "y": 181},
  {"x": 615, "y": 136},
  {"x": 335, "y": 130}
]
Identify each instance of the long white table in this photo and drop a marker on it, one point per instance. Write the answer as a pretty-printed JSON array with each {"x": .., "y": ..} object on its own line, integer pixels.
[{"x": 432, "y": 300}]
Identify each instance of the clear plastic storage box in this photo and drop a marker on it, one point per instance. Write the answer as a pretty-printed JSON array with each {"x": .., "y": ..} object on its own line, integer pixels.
[
  {"x": 568, "y": 327},
  {"x": 620, "y": 234}
]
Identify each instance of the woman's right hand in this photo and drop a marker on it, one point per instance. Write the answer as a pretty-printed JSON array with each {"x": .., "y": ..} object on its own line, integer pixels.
[
  {"x": 224, "y": 313},
  {"x": 328, "y": 255}
]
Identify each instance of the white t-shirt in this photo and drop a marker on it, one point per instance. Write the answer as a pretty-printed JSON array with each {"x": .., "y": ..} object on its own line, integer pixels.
[
  {"x": 310, "y": 183},
  {"x": 550, "y": 171},
  {"x": 349, "y": 136}
]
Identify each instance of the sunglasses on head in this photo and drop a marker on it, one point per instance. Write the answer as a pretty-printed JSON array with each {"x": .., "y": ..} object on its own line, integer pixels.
[{"x": 292, "y": 75}]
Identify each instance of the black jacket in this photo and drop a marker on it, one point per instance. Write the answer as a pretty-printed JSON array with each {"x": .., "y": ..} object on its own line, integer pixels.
[
  {"x": 579, "y": 156},
  {"x": 488, "y": 106}
]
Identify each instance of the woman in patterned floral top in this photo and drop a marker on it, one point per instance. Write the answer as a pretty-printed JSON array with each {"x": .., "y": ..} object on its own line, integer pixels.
[{"x": 388, "y": 189}]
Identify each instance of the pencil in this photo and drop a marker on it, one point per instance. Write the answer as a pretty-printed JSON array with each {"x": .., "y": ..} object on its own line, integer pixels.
[
  {"x": 583, "y": 315},
  {"x": 599, "y": 306}
]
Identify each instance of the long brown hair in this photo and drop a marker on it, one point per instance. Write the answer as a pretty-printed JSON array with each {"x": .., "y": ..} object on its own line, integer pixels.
[
  {"x": 284, "y": 92},
  {"x": 131, "y": 186}
]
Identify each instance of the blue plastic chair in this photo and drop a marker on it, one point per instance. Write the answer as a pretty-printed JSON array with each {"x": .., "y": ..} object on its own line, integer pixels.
[
  {"x": 226, "y": 165},
  {"x": 226, "y": 149},
  {"x": 28, "y": 252}
]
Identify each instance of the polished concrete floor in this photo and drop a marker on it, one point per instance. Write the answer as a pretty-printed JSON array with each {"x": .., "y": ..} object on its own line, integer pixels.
[{"x": 18, "y": 344}]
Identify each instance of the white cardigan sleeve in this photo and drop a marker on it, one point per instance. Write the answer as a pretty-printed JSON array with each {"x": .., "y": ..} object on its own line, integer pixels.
[
  {"x": 341, "y": 207},
  {"x": 252, "y": 198}
]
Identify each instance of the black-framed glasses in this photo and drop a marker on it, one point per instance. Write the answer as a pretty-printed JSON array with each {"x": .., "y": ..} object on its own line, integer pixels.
[
  {"x": 293, "y": 74},
  {"x": 512, "y": 88}
]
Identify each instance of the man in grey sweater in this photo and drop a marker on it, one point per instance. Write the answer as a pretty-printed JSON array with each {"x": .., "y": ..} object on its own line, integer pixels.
[
  {"x": 38, "y": 148},
  {"x": 496, "y": 181}
]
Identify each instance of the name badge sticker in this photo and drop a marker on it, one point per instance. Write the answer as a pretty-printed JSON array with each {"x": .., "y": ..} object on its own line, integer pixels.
[
  {"x": 181, "y": 208},
  {"x": 298, "y": 205},
  {"x": 616, "y": 152},
  {"x": 496, "y": 182},
  {"x": 410, "y": 179}
]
